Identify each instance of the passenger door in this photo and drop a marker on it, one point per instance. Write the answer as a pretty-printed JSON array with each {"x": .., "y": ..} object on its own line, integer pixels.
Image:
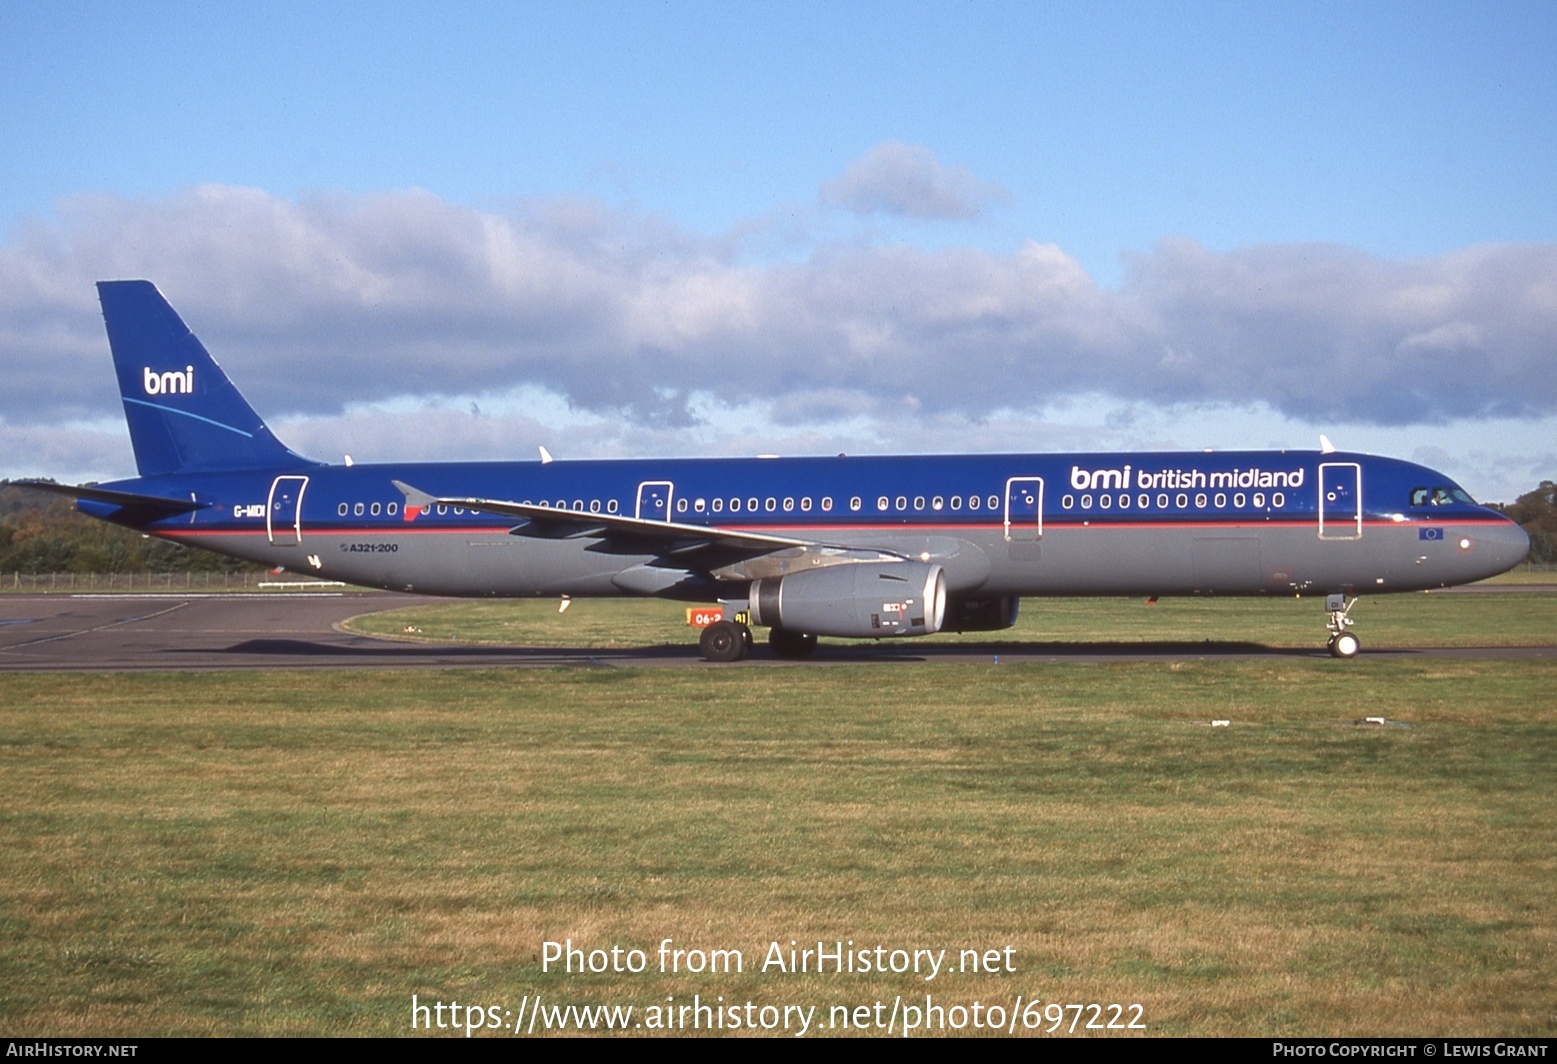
[
  {"x": 1340, "y": 500},
  {"x": 284, "y": 511}
]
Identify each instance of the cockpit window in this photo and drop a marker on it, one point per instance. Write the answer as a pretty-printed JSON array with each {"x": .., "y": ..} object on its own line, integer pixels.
[{"x": 1440, "y": 495}]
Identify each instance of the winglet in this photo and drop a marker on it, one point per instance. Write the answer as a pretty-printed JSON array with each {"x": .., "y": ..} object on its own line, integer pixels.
[{"x": 416, "y": 500}]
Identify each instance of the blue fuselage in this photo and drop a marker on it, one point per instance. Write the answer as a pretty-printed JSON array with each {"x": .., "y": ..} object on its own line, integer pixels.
[{"x": 1260, "y": 523}]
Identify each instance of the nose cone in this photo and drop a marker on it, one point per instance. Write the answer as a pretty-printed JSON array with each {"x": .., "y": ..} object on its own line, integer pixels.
[{"x": 1501, "y": 547}]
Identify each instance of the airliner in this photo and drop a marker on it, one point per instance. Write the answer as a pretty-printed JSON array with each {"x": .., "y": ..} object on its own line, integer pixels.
[{"x": 861, "y": 547}]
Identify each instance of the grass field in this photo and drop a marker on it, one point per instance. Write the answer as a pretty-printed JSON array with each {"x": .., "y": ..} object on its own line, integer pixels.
[
  {"x": 296, "y": 853},
  {"x": 1439, "y": 619}
]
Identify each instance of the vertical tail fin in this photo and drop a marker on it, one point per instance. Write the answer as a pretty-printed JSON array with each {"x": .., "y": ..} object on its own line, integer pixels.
[{"x": 184, "y": 414}]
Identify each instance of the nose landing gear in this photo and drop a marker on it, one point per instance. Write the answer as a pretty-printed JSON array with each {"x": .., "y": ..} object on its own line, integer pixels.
[{"x": 1342, "y": 643}]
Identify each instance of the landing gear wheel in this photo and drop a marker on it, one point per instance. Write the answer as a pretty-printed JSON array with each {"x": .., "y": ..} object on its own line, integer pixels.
[
  {"x": 789, "y": 644},
  {"x": 1342, "y": 643},
  {"x": 725, "y": 641}
]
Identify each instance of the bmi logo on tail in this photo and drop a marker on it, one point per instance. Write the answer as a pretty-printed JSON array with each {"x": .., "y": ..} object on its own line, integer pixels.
[{"x": 170, "y": 383}]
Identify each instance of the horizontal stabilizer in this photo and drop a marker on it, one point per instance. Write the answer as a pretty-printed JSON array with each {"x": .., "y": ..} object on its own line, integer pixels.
[{"x": 127, "y": 499}]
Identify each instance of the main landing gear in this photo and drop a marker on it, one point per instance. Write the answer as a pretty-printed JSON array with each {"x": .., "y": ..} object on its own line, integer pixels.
[
  {"x": 788, "y": 644},
  {"x": 1342, "y": 643},
  {"x": 725, "y": 641}
]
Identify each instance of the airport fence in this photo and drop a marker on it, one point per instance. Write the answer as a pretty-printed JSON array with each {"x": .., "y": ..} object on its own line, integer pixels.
[{"x": 186, "y": 581}]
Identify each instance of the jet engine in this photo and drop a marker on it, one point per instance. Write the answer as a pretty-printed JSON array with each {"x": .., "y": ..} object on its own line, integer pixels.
[
  {"x": 981, "y": 614},
  {"x": 856, "y": 600}
]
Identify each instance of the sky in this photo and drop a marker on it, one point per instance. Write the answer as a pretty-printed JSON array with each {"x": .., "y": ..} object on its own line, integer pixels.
[{"x": 462, "y": 231}]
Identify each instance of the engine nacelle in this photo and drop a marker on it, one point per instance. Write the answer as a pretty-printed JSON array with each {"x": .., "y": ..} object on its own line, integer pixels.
[
  {"x": 981, "y": 614},
  {"x": 857, "y": 601}
]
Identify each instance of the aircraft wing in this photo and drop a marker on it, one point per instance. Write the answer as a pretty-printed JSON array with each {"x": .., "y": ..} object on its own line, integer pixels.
[
  {"x": 699, "y": 551},
  {"x": 673, "y": 535}
]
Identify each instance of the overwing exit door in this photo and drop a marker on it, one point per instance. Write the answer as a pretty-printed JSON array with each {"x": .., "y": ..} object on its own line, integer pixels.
[
  {"x": 1024, "y": 509},
  {"x": 654, "y": 500}
]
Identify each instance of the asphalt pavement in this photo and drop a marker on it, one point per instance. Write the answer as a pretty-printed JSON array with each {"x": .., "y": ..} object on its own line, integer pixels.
[{"x": 290, "y": 630}]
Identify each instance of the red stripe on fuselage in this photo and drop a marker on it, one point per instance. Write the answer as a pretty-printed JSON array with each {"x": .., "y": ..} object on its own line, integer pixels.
[{"x": 779, "y": 529}]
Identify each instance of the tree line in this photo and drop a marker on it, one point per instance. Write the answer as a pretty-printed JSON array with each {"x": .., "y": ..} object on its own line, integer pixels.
[
  {"x": 42, "y": 533},
  {"x": 1536, "y": 512}
]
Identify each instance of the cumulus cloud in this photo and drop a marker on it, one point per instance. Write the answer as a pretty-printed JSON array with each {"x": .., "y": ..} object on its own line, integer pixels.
[
  {"x": 909, "y": 180},
  {"x": 333, "y": 303}
]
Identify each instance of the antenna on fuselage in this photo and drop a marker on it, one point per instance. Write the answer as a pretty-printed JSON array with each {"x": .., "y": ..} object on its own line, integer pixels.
[
  {"x": 546, "y": 458},
  {"x": 1325, "y": 446}
]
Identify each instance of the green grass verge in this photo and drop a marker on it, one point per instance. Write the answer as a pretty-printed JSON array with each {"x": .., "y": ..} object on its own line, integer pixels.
[
  {"x": 296, "y": 853},
  {"x": 1439, "y": 619}
]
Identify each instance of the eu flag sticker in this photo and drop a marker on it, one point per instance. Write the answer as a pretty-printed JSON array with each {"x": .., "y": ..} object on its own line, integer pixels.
[{"x": 1429, "y": 533}]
